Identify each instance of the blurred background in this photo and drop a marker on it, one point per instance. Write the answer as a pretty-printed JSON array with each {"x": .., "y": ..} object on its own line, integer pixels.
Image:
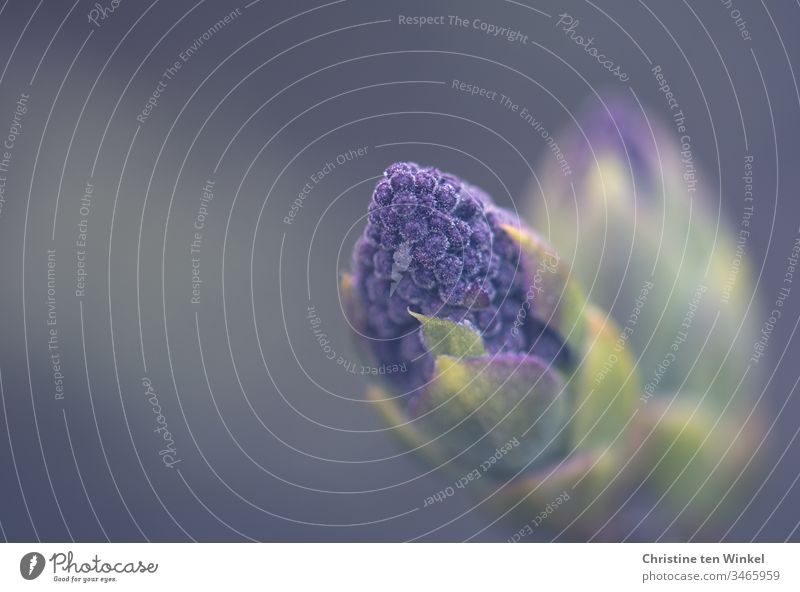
[{"x": 181, "y": 181}]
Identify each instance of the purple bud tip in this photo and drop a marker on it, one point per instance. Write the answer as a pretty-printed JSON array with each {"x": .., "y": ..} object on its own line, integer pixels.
[{"x": 435, "y": 245}]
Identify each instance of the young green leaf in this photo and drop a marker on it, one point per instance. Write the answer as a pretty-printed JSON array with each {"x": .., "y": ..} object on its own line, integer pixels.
[{"x": 445, "y": 338}]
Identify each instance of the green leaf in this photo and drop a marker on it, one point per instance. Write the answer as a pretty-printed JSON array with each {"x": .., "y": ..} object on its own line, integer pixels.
[
  {"x": 515, "y": 404},
  {"x": 694, "y": 456},
  {"x": 446, "y": 338}
]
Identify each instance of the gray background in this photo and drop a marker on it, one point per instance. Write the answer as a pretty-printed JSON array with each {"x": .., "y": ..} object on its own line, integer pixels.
[{"x": 287, "y": 449}]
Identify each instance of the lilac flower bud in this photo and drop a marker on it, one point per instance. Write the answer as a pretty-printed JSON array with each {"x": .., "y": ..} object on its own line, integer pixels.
[{"x": 435, "y": 245}]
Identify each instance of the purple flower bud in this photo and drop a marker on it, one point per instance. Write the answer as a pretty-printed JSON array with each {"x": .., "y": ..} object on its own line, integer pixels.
[
  {"x": 402, "y": 180},
  {"x": 415, "y": 229},
  {"x": 383, "y": 194},
  {"x": 430, "y": 249},
  {"x": 468, "y": 207},
  {"x": 363, "y": 253},
  {"x": 390, "y": 239},
  {"x": 445, "y": 197},
  {"x": 448, "y": 270},
  {"x": 382, "y": 262},
  {"x": 441, "y": 251},
  {"x": 424, "y": 182},
  {"x": 377, "y": 289},
  {"x": 423, "y": 277}
]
